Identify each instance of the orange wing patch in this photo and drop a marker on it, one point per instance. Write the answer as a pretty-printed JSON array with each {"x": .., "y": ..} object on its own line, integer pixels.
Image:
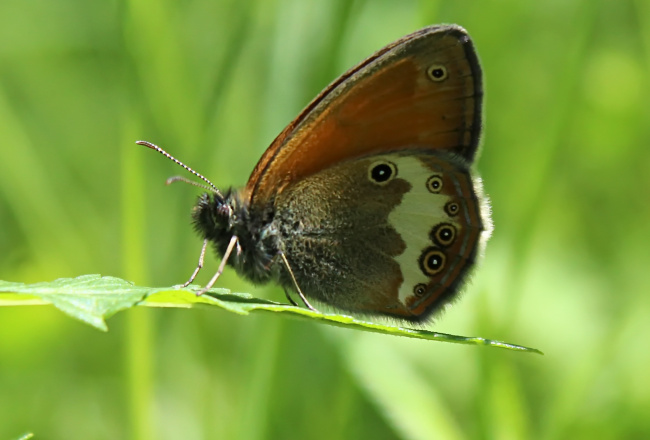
[{"x": 387, "y": 103}]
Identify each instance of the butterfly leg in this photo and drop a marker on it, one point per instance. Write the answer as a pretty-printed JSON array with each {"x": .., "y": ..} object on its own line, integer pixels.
[
  {"x": 273, "y": 261},
  {"x": 288, "y": 295},
  {"x": 295, "y": 283},
  {"x": 199, "y": 266},
  {"x": 234, "y": 242}
]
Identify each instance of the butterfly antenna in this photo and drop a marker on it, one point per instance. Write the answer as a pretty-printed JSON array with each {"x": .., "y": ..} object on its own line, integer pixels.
[
  {"x": 173, "y": 179},
  {"x": 212, "y": 188}
]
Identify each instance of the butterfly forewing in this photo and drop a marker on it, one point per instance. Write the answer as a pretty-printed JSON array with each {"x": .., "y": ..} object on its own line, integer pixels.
[{"x": 424, "y": 90}]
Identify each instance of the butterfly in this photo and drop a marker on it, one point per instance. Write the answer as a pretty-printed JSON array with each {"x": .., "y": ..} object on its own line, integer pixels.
[{"x": 366, "y": 202}]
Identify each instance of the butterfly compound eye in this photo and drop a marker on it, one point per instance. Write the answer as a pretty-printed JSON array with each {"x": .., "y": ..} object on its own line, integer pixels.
[
  {"x": 437, "y": 73},
  {"x": 382, "y": 172}
]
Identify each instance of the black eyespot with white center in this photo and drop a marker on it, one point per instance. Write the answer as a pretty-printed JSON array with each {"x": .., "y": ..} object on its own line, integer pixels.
[
  {"x": 435, "y": 184},
  {"x": 419, "y": 290},
  {"x": 432, "y": 261},
  {"x": 443, "y": 234},
  {"x": 437, "y": 73},
  {"x": 382, "y": 172},
  {"x": 452, "y": 208}
]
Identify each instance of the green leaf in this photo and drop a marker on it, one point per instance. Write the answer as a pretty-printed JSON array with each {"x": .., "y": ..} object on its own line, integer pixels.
[
  {"x": 93, "y": 298},
  {"x": 89, "y": 298}
]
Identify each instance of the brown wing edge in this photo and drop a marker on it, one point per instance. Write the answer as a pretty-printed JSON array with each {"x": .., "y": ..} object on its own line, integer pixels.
[{"x": 470, "y": 152}]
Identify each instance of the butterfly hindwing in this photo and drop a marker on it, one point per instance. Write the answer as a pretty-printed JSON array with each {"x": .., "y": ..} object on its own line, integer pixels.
[{"x": 402, "y": 252}]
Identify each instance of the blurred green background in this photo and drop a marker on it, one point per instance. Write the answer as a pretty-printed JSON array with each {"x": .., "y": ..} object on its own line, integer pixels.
[{"x": 565, "y": 161}]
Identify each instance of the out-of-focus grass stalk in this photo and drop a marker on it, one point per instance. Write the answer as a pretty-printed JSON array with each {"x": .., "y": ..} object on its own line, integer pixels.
[
  {"x": 138, "y": 337},
  {"x": 138, "y": 340},
  {"x": 255, "y": 410}
]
